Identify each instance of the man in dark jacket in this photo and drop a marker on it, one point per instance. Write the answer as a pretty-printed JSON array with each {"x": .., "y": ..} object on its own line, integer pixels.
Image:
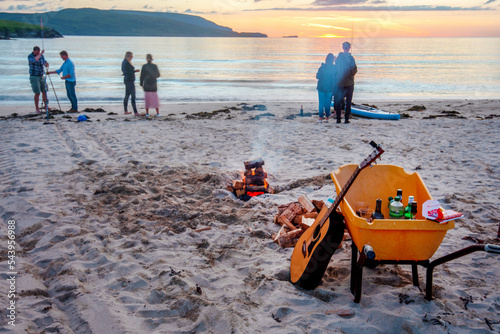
[{"x": 346, "y": 70}]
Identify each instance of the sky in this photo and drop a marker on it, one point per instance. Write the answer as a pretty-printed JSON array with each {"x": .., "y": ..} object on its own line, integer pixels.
[{"x": 314, "y": 18}]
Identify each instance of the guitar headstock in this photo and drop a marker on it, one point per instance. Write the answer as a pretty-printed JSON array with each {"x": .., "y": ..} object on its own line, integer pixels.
[{"x": 372, "y": 157}]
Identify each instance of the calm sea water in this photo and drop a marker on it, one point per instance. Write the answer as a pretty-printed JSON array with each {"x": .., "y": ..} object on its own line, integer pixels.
[{"x": 256, "y": 69}]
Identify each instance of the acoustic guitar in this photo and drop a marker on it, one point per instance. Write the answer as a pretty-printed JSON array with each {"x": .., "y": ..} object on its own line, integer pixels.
[{"x": 318, "y": 243}]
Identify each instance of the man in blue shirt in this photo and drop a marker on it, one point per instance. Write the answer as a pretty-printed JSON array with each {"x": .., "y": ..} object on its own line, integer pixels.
[
  {"x": 68, "y": 74},
  {"x": 36, "y": 62}
]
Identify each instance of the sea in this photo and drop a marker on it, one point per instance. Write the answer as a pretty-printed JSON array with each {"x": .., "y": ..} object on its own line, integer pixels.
[{"x": 259, "y": 69}]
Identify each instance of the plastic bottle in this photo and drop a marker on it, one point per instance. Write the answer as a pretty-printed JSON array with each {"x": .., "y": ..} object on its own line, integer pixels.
[
  {"x": 396, "y": 208},
  {"x": 378, "y": 210}
]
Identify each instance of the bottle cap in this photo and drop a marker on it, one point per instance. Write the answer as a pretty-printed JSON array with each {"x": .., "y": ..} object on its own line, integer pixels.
[
  {"x": 397, "y": 198},
  {"x": 410, "y": 199}
]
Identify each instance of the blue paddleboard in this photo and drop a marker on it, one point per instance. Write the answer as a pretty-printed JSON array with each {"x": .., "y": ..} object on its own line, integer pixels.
[{"x": 369, "y": 112}]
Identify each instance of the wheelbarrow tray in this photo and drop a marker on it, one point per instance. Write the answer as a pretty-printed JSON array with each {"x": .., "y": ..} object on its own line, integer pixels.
[{"x": 391, "y": 238}]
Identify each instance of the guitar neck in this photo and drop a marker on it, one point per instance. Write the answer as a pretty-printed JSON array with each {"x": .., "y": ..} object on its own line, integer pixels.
[
  {"x": 341, "y": 195},
  {"x": 371, "y": 158}
]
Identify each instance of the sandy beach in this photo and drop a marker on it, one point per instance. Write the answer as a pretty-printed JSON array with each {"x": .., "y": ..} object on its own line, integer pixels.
[{"x": 106, "y": 211}]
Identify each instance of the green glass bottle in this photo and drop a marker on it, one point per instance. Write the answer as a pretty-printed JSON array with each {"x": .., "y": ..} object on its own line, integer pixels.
[{"x": 408, "y": 214}]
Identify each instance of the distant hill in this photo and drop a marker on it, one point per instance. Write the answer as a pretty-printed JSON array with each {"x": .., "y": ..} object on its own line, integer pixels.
[
  {"x": 95, "y": 22},
  {"x": 13, "y": 29}
]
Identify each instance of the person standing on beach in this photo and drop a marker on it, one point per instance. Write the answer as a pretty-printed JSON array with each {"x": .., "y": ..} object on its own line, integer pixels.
[
  {"x": 68, "y": 74},
  {"x": 149, "y": 74},
  {"x": 346, "y": 70},
  {"x": 129, "y": 80},
  {"x": 36, "y": 62},
  {"x": 325, "y": 86}
]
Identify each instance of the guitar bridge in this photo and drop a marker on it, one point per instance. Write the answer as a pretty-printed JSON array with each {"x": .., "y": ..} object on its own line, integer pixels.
[{"x": 304, "y": 249}]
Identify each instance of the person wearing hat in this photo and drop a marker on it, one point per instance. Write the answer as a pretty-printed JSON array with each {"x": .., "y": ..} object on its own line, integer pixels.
[
  {"x": 149, "y": 74},
  {"x": 346, "y": 70},
  {"x": 37, "y": 63}
]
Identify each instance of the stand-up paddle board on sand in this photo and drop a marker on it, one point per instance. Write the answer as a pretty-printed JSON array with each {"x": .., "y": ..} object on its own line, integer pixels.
[{"x": 369, "y": 112}]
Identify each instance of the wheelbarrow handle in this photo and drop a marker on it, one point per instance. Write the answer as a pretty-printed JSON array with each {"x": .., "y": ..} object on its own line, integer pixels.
[{"x": 492, "y": 248}]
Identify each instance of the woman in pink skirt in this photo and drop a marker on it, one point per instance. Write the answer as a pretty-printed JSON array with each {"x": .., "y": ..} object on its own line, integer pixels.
[{"x": 149, "y": 74}]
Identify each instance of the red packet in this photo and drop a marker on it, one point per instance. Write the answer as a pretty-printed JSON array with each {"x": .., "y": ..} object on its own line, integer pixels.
[{"x": 433, "y": 211}]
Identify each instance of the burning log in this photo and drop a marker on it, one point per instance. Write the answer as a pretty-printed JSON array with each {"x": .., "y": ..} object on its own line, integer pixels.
[
  {"x": 253, "y": 181},
  {"x": 253, "y": 164},
  {"x": 238, "y": 185},
  {"x": 259, "y": 171},
  {"x": 257, "y": 180},
  {"x": 256, "y": 189}
]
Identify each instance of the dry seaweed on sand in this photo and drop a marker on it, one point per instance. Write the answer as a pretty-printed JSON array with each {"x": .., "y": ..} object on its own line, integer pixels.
[
  {"x": 208, "y": 115},
  {"x": 446, "y": 114},
  {"x": 417, "y": 108}
]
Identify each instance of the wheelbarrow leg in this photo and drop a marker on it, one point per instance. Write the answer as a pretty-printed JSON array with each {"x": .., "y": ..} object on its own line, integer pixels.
[
  {"x": 357, "y": 272},
  {"x": 354, "y": 261},
  {"x": 465, "y": 251},
  {"x": 359, "y": 280},
  {"x": 414, "y": 272}
]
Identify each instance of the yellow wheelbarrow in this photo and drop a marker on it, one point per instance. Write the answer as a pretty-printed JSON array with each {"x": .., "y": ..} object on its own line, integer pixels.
[{"x": 392, "y": 240}]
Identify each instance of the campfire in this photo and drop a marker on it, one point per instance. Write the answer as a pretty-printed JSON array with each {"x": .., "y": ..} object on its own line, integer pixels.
[{"x": 253, "y": 181}]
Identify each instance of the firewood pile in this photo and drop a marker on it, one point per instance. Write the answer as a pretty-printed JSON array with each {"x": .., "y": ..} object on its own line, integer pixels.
[
  {"x": 253, "y": 181},
  {"x": 295, "y": 218}
]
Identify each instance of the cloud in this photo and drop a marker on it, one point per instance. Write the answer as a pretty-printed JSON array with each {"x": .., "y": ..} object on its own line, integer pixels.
[
  {"x": 325, "y": 26},
  {"x": 489, "y": 1},
  {"x": 416, "y": 8},
  {"x": 338, "y": 2},
  {"x": 18, "y": 7}
]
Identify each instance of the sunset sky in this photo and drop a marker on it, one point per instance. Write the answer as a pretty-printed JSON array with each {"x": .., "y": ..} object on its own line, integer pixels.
[{"x": 315, "y": 18}]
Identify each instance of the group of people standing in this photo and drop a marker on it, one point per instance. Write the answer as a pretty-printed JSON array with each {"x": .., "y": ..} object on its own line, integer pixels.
[
  {"x": 336, "y": 79},
  {"x": 37, "y": 62},
  {"x": 149, "y": 74}
]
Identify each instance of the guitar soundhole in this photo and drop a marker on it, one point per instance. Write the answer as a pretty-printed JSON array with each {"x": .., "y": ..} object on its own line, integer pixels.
[{"x": 316, "y": 232}]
